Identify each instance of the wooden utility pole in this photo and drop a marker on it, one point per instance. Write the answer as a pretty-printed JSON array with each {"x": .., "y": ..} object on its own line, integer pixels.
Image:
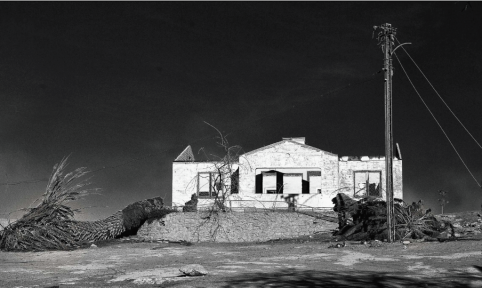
[
  {"x": 442, "y": 200},
  {"x": 386, "y": 38}
]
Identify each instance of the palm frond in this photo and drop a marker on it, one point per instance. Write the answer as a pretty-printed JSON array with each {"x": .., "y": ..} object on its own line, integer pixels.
[
  {"x": 46, "y": 225},
  {"x": 369, "y": 219}
]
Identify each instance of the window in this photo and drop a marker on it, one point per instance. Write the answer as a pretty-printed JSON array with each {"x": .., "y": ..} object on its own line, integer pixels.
[
  {"x": 367, "y": 183},
  {"x": 235, "y": 182},
  {"x": 288, "y": 180},
  {"x": 204, "y": 187},
  {"x": 209, "y": 183},
  {"x": 269, "y": 182},
  {"x": 314, "y": 182},
  {"x": 293, "y": 183}
]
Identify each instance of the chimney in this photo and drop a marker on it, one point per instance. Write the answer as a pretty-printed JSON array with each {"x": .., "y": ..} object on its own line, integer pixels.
[{"x": 300, "y": 140}]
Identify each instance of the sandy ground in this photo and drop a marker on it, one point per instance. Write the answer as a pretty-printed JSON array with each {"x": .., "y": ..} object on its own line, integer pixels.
[
  {"x": 303, "y": 262},
  {"x": 306, "y": 262}
]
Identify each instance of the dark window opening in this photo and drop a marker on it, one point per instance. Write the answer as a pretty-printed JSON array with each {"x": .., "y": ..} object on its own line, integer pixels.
[
  {"x": 209, "y": 183},
  {"x": 269, "y": 182},
  {"x": 367, "y": 183},
  {"x": 314, "y": 182},
  {"x": 235, "y": 182},
  {"x": 305, "y": 187}
]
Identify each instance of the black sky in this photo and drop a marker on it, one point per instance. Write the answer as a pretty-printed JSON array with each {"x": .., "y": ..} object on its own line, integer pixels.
[{"x": 127, "y": 86}]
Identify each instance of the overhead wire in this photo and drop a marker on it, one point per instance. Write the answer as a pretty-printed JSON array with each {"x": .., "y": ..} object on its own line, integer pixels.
[
  {"x": 438, "y": 123},
  {"x": 436, "y": 92}
]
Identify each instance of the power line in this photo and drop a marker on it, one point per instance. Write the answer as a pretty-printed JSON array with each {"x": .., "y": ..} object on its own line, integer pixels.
[
  {"x": 440, "y": 96},
  {"x": 440, "y": 126}
]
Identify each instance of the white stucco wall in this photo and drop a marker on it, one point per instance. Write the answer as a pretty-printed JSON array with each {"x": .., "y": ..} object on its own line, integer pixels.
[
  {"x": 347, "y": 169},
  {"x": 287, "y": 157},
  {"x": 284, "y": 156},
  {"x": 185, "y": 181},
  {"x": 329, "y": 178}
]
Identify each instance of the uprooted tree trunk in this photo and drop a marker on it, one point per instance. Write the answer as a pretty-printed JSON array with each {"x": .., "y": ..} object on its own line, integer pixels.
[
  {"x": 50, "y": 225},
  {"x": 366, "y": 220}
]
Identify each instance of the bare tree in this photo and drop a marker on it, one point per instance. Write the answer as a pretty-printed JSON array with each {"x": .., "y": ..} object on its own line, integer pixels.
[{"x": 226, "y": 166}]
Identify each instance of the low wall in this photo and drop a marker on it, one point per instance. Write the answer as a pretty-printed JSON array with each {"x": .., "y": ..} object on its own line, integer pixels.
[{"x": 232, "y": 226}]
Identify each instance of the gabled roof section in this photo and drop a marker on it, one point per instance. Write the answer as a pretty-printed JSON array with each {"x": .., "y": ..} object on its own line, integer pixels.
[
  {"x": 290, "y": 141},
  {"x": 186, "y": 155}
]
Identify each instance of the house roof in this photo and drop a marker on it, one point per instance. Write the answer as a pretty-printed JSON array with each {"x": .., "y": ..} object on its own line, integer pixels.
[
  {"x": 290, "y": 141},
  {"x": 186, "y": 155}
]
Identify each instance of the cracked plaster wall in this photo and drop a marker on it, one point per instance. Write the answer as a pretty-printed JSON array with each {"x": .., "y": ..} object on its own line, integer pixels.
[
  {"x": 347, "y": 169},
  {"x": 185, "y": 181},
  {"x": 336, "y": 176},
  {"x": 232, "y": 227},
  {"x": 292, "y": 155}
]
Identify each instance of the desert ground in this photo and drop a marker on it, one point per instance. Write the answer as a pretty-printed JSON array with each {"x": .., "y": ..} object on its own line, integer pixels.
[{"x": 309, "y": 261}]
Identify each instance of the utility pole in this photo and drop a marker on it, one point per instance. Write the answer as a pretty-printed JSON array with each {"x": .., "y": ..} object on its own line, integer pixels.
[
  {"x": 386, "y": 38},
  {"x": 442, "y": 200}
]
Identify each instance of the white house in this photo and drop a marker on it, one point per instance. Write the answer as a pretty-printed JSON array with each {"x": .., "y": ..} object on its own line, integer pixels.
[{"x": 288, "y": 171}]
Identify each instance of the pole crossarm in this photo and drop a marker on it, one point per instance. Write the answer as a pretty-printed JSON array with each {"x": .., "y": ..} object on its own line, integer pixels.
[{"x": 393, "y": 51}]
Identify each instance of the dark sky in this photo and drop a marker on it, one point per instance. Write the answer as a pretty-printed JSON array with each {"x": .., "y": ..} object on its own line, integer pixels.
[{"x": 127, "y": 86}]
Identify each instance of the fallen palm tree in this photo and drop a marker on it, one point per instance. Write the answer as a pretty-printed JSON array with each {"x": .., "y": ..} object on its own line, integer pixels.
[
  {"x": 51, "y": 224},
  {"x": 365, "y": 219}
]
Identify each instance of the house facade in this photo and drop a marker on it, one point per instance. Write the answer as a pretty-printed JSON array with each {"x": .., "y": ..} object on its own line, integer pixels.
[{"x": 287, "y": 172}]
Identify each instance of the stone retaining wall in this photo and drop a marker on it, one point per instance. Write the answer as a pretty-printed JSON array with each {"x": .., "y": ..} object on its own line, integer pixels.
[{"x": 232, "y": 227}]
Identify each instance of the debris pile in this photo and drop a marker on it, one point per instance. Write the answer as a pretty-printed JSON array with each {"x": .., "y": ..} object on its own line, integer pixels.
[
  {"x": 51, "y": 224},
  {"x": 191, "y": 205},
  {"x": 366, "y": 220},
  {"x": 465, "y": 223}
]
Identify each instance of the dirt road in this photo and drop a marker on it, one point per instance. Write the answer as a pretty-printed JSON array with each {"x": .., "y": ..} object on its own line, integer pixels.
[{"x": 304, "y": 262}]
